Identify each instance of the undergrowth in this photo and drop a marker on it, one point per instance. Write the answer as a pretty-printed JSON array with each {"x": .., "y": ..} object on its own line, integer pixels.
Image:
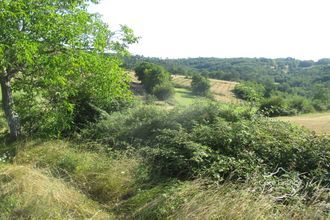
[
  {"x": 205, "y": 161},
  {"x": 27, "y": 193}
]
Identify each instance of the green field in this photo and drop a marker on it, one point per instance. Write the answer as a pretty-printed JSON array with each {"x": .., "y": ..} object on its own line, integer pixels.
[
  {"x": 184, "y": 96},
  {"x": 221, "y": 90},
  {"x": 318, "y": 122}
]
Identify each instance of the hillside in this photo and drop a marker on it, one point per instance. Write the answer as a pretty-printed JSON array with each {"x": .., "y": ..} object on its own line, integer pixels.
[
  {"x": 307, "y": 82},
  {"x": 318, "y": 122},
  {"x": 82, "y": 137},
  {"x": 204, "y": 161},
  {"x": 222, "y": 90}
]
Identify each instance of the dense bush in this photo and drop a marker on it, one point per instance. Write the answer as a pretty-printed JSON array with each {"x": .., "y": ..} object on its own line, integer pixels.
[
  {"x": 282, "y": 106},
  {"x": 249, "y": 91},
  {"x": 200, "y": 85},
  {"x": 151, "y": 75},
  {"x": 215, "y": 140},
  {"x": 274, "y": 106},
  {"x": 300, "y": 104},
  {"x": 163, "y": 91}
]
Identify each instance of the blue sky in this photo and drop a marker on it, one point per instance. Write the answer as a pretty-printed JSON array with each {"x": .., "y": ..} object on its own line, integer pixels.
[{"x": 224, "y": 28}]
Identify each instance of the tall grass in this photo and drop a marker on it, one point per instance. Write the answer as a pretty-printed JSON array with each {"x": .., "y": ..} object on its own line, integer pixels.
[
  {"x": 102, "y": 178},
  {"x": 27, "y": 193},
  {"x": 194, "y": 200}
]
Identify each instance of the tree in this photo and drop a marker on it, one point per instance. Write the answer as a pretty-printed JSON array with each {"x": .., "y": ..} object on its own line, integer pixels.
[
  {"x": 250, "y": 91},
  {"x": 152, "y": 75},
  {"x": 200, "y": 85},
  {"x": 164, "y": 91},
  {"x": 51, "y": 51}
]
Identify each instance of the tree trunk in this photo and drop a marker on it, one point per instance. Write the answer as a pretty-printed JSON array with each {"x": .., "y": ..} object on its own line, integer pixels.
[{"x": 7, "y": 102}]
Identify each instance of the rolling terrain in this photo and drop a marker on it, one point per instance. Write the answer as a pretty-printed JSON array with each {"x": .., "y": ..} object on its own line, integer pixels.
[
  {"x": 318, "y": 122},
  {"x": 222, "y": 90}
]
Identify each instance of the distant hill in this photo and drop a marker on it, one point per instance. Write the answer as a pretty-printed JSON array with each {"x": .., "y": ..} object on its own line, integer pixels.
[{"x": 283, "y": 77}]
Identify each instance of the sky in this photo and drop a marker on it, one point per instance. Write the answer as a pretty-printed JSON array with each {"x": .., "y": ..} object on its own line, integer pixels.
[{"x": 224, "y": 28}]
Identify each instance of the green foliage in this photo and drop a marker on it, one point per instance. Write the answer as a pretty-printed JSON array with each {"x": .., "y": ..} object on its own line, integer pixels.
[
  {"x": 200, "y": 85},
  {"x": 280, "y": 77},
  {"x": 54, "y": 52},
  {"x": 252, "y": 92},
  {"x": 274, "y": 106},
  {"x": 151, "y": 75},
  {"x": 292, "y": 105},
  {"x": 164, "y": 91},
  {"x": 218, "y": 141},
  {"x": 301, "y": 104}
]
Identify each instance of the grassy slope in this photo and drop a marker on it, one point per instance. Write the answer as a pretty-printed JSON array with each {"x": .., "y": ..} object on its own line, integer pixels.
[
  {"x": 184, "y": 96},
  {"x": 318, "y": 122},
  {"x": 222, "y": 90},
  {"x": 29, "y": 193},
  {"x": 54, "y": 180}
]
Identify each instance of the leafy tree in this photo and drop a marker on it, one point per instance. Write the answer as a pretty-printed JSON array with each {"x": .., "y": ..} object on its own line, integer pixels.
[
  {"x": 164, "y": 91},
  {"x": 152, "y": 76},
  {"x": 200, "y": 85},
  {"x": 51, "y": 51},
  {"x": 301, "y": 104}
]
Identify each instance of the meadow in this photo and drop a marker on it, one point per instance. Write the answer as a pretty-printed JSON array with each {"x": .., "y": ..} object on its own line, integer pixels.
[
  {"x": 318, "y": 122},
  {"x": 220, "y": 89}
]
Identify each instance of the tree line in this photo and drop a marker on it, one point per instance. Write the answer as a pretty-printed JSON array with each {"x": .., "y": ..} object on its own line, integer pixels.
[{"x": 286, "y": 80}]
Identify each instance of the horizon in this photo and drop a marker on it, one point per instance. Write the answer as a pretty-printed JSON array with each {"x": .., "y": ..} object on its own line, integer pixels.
[
  {"x": 228, "y": 29},
  {"x": 270, "y": 58}
]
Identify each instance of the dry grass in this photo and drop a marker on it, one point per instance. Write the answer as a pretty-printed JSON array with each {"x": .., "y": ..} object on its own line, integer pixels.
[
  {"x": 231, "y": 202},
  {"x": 222, "y": 90},
  {"x": 195, "y": 200},
  {"x": 27, "y": 193},
  {"x": 318, "y": 122},
  {"x": 102, "y": 178}
]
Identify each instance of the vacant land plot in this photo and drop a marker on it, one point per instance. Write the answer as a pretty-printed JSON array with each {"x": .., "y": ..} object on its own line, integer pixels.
[
  {"x": 318, "y": 122},
  {"x": 222, "y": 90}
]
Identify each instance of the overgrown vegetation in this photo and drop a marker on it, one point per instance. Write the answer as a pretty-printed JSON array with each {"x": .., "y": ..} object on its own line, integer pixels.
[
  {"x": 200, "y": 85},
  {"x": 155, "y": 80},
  {"x": 120, "y": 159},
  {"x": 145, "y": 162},
  {"x": 218, "y": 141},
  {"x": 275, "y": 104},
  {"x": 27, "y": 193}
]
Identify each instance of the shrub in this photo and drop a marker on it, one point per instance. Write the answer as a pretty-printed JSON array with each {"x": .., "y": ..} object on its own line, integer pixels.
[
  {"x": 213, "y": 140},
  {"x": 300, "y": 104},
  {"x": 164, "y": 91},
  {"x": 274, "y": 106},
  {"x": 200, "y": 85},
  {"x": 249, "y": 91},
  {"x": 151, "y": 75}
]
